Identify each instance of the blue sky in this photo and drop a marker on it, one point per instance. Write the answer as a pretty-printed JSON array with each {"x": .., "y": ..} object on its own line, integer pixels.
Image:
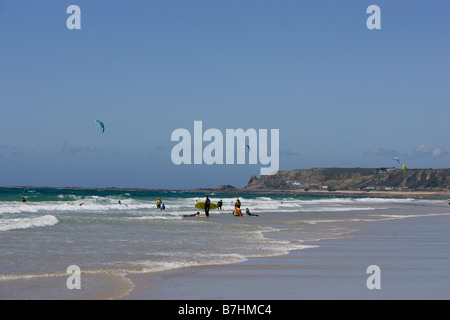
[{"x": 340, "y": 94}]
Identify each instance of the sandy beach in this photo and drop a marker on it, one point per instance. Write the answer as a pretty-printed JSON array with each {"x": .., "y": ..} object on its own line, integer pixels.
[{"x": 411, "y": 253}]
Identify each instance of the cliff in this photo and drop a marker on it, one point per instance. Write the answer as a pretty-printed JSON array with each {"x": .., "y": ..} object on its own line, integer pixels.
[{"x": 353, "y": 179}]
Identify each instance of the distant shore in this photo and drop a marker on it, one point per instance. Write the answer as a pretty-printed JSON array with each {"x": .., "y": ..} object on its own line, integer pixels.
[{"x": 340, "y": 193}]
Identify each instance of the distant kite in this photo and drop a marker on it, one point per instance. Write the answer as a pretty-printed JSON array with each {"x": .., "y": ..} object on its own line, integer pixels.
[
  {"x": 396, "y": 159},
  {"x": 101, "y": 125}
]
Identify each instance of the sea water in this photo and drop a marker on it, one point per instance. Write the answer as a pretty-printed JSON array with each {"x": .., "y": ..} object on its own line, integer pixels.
[{"x": 107, "y": 240}]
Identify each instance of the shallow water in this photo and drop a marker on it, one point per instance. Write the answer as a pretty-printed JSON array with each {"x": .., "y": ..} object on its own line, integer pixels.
[{"x": 58, "y": 228}]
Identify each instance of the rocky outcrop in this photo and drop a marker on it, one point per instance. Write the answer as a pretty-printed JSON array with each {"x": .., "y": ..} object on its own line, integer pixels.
[
  {"x": 223, "y": 187},
  {"x": 354, "y": 179}
]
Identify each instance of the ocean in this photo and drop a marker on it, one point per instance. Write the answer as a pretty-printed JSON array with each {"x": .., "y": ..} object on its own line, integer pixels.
[{"x": 58, "y": 227}]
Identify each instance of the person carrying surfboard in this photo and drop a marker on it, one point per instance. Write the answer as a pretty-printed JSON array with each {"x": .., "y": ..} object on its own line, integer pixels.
[
  {"x": 207, "y": 206},
  {"x": 237, "y": 208}
]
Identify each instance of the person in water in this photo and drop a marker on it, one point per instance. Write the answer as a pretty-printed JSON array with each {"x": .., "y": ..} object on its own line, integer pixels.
[
  {"x": 247, "y": 212},
  {"x": 207, "y": 206},
  {"x": 237, "y": 208},
  {"x": 163, "y": 206},
  {"x": 192, "y": 215},
  {"x": 23, "y": 199},
  {"x": 158, "y": 204},
  {"x": 219, "y": 205}
]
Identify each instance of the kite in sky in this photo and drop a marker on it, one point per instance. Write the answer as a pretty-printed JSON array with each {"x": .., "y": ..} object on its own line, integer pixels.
[{"x": 101, "y": 125}]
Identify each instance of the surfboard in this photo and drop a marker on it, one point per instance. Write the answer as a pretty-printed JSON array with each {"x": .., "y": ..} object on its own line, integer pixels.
[
  {"x": 237, "y": 210},
  {"x": 201, "y": 205}
]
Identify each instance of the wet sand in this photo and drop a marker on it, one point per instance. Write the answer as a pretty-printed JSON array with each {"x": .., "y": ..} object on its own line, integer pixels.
[{"x": 412, "y": 253}]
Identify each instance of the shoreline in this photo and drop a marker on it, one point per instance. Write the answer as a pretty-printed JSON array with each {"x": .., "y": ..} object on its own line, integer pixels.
[{"x": 412, "y": 254}]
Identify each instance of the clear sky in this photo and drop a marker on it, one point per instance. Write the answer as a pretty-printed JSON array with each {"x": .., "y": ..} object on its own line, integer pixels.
[{"x": 340, "y": 94}]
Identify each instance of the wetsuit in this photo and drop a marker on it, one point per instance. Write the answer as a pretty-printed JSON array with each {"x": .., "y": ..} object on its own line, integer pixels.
[
  {"x": 237, "y": 205},
  {"x": 207, "y": 206},
  {"x": 251, "y": 214}
]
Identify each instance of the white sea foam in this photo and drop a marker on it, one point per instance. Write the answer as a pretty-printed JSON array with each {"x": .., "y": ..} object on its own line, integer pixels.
[
  {"x": 25, "y": 223},
  {"x": 95, "y": 204},
  {"x": 194, "y": 260},
  {"x": 267, "y": 204}
]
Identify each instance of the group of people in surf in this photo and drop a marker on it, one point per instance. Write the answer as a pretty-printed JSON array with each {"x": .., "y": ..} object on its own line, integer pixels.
[
  {"x": 160, "y": 205},
  {"x": 236, "y": 212}
]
